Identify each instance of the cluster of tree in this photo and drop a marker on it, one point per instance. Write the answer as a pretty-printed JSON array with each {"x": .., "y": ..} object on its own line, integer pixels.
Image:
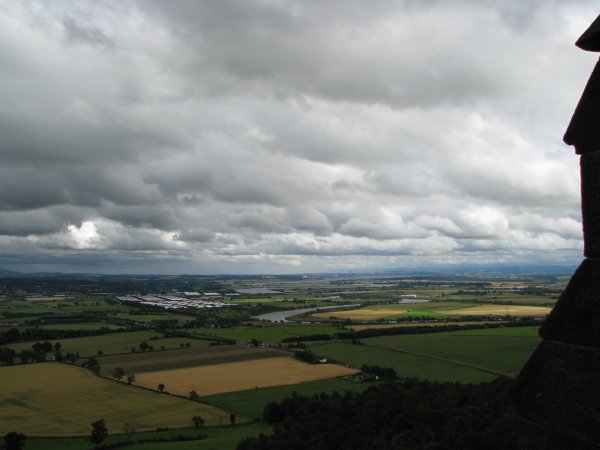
[
  {"x": 38, "y": 353},
  {"x": 306, "y": 356},
  {"x": 403, "y": 415},
  {"x": 382, "y": 373},
  {"x": 311, "y": 337},
  {"x": 119, "y": 372},
  {"x": 92, "y": 364},
  {"x": 14, "y": 441},
  {"x": 145, "y": 346},
  {"x": 216, "y": 340}
]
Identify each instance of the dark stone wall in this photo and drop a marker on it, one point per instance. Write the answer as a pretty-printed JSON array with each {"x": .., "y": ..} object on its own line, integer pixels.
[{"x": 557, "y": 393}]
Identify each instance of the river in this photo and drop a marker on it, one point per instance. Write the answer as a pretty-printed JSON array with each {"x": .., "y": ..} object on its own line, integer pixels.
[{"x": 281, "y": 316}]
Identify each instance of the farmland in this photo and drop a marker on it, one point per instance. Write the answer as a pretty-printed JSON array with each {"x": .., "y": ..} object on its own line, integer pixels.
[
  {"x": 250, "y": 403},
  {"x": 266, "y": 332},
  {"x": 503, "y": 310},
  {"x": 217, "y": 438},
  {"x": 81, "y": 326},
  {"x": 58, "y": 399},
  {"x": 436, "y": 310},
  {"x": 383, "y": 326},
  {"x": 183, "y": 358},
  {"x": 405, "y": 365},
  {"x": 495, "y": 350},
  {"x": 237, "y": 376},
  {"x": 108, "y": 344},
  {"x": 502, "y": 353},
  {"x": 193, "y": 349}
]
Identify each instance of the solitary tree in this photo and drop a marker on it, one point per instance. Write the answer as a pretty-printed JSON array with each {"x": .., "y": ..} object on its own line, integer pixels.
[
  {"x": 194, "y": 395},
  {"x": 118, "y": 373},
  {"x": 198, "y": 421},
  {"x": 99, "y": 431},
  {"x": 130, "y": 378},
  {"x": 92, "y": 364},
  {"x": 14, "y": 441},
  {"x": 161, "y": 387},
  {"x": 232, "y": 419}
]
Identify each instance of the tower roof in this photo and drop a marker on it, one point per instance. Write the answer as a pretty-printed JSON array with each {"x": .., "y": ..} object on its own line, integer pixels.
[
  {"x": 590, "y": 40},
  {"x": 584, "y": 129}
]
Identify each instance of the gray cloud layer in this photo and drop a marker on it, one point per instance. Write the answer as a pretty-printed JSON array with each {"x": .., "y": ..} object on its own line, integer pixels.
[{"x": 288, "y": 136}]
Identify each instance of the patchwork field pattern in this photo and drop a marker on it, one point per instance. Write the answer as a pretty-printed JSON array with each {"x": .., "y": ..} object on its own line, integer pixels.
[
  {"x": 435, "y": 310},
  {"x": 378, "y": 326},
  {"x": 112, "y": 343},
  {"x": 504, "y": 310},
  {"x": 237, "y": 376},
  {"x": 178, "y": 359},
  {"x": 405, "y": 365},
  {"x": 59, "y": 399},
  {"x": 266, "y": 332},
  {"x": 505, "y": 354},
  {"x": 251, "y": 403}
]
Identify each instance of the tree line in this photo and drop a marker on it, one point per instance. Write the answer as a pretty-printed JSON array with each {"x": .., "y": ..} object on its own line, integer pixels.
[
  {"x": 14, "y": 335},
  {"x": 402, "y": 415}
]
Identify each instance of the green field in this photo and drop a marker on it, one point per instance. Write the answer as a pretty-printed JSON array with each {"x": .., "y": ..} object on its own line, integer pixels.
[
  {"x": 499, "y": 349},
  {"x": 405, "y": 365},
  {"x": 421, "y": 313},
  {"x": 266, "y": 332},
  {"x": 22, "y": 307},
  {"x": 254, "y": 300},
  {"x": 531, "y": 331},
  {"x": 146, "y": 318},
  {"x": 60, "y": 399},
  {"x": 88, "y": 308},
  {"x": 111, "y": 343},
  {"x": 80, "y": 326},
  {"x": 509, "y": 298},
  {"x": 251, "y": 403},
  {"x": 217, "y": 438}
]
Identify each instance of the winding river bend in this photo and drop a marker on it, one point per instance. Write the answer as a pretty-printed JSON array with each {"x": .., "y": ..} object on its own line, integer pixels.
[{"x": 281, "y": 316}]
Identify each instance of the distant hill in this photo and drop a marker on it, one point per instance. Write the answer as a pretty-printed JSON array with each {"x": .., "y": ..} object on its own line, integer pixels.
[{"x": 5, "y": 272}]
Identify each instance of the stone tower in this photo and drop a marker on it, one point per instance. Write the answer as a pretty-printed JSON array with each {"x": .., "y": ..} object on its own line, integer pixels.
[{"x": 558, "y": 390}]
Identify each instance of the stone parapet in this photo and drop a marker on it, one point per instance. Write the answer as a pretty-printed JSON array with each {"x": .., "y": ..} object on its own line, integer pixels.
[
  {"x": 590, "y": 202},
  {"x": 575, "y": 318},
  {"x": 557, "y": 393}
]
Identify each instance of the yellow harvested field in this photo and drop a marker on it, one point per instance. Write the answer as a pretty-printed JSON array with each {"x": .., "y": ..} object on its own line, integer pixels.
[
  {"x": 377, "y": 326},
  {"x": 237, "y": 376},
  {"x": 503, "y": 310},
  {"x": 52, "y": 399},
  {"x": 360, "y": 314}
]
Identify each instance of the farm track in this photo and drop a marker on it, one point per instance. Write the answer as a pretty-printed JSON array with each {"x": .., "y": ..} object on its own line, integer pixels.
[{"x": 441, "y": 358}]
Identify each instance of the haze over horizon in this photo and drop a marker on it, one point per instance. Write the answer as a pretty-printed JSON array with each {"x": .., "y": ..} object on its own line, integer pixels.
[{"x": 288, "y": 136}]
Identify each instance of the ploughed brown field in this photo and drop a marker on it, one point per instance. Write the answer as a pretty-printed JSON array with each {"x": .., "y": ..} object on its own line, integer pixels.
[{"x": 137, "y": 363}]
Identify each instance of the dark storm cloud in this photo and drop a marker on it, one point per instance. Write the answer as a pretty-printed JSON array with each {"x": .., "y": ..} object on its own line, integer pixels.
[{"x": 269, "y": 133}]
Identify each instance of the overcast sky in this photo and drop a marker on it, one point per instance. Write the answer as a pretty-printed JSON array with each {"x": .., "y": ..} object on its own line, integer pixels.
[{"x": 288, "y": 136}]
